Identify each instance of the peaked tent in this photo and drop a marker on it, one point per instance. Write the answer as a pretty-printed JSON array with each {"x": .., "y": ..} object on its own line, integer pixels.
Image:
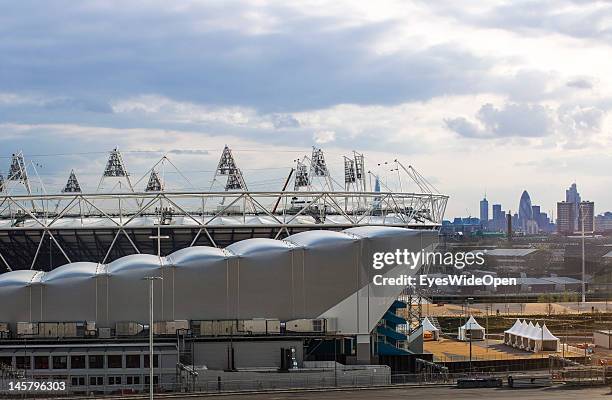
[
  {"x": 471, "y": 330},
  {"x": 549, "y": 341},
  {"x": 531, "y": 337},
  {"x": 431, "y": 328},
  {"x": 510, "y": 334}
]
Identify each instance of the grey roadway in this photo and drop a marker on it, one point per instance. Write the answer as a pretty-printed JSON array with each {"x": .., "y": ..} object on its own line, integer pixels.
[{"x": 433, "y": 393}]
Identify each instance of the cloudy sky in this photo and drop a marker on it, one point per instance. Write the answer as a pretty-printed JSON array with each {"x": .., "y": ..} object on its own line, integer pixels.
[{"x": 496, "y": 97}]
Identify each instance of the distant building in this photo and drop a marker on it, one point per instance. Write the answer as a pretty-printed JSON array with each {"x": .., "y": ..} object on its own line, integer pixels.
[
  {"x": 603, "y": 222},
  {"x": 484, "y": 211},
  {"x": 499, "y": 218},
  {"x": 572, "y": 196},
  {"x": 586, "y": 213},
  {"x": 531, "y": 227},
  {"x": 565, "y": 217},
  {"x": 544, "y": 223},
  {"x": 525, "y": 211},
  {"x": 513, "y": 260}
]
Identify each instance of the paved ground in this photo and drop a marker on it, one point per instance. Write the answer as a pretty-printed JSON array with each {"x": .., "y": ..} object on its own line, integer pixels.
[{"x": 434, "y": 393}]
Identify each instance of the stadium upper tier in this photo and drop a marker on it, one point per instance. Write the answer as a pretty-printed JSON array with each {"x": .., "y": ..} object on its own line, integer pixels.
[
  {"x": 42, "y": 230},
  {"x": 75, "y": 211},
  {"x": 315, "y": 274}
]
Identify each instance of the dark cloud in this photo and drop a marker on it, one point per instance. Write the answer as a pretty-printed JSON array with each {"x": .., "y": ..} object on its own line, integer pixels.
[
  {"x": 92, "y": 49},
  {"x": 575, "y": 18},
  {"x": 464, "y": 127},
  {"x": 82, "y": 104},
  {"x": 511, "y": 120},
  {"x": 285, "y": 121},
  {"x": 187, "y": 152},
  {"x": 580, "y": 83}
]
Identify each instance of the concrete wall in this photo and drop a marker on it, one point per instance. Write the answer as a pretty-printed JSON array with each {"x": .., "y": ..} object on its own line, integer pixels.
[
  {"x": 602, "y": 339},
  {"x": 247, "y": 354}
]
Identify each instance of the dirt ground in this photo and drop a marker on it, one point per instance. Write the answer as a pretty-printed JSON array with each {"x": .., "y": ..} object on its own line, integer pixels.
[
  {"x": 453, "y": 350},
  {"x": 516, "y": 308}
]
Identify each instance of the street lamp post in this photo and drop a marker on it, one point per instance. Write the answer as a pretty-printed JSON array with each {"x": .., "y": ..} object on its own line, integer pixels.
[
  {"x": 583, "y": 258},
  {"x": 151, "y": 280},
  {"x": 469, "y": 329}
]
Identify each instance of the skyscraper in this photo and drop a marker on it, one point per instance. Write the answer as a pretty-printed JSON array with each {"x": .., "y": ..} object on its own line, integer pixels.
[
  {"x": 525, "y": 212},
  {"x": 499, "y": 218},
  {"x": 484, "y": 210},
  {"x": 586, "y": 209},
  {"x": 565, "y": 217},
  {"x": 572, "y": 196}
]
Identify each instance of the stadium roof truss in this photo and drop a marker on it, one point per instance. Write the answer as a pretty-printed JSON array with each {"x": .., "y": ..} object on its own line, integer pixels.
[{"x": 52, "y": 216}]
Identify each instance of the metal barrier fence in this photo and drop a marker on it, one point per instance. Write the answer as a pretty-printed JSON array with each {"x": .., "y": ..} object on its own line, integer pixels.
[{"x": 297, "y": 380}]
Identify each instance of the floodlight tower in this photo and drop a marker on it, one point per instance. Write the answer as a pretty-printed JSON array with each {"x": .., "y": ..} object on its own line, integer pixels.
[
  {"x": 235, "y": 180},
  {"x": 155, "y": 183},
  {"x": 360, "y": 176},
  {"x": 18, "y": 172},
  {"x": 227, "y": 167},
  {"x": 115, "y": 168},
  {"x": 72, "y": 185},
  {"x": 302, "y": 180},
  {"x": 318, "y": 168}
]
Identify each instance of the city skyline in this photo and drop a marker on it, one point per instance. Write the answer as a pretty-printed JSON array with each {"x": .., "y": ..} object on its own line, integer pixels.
[{"x": 551, "y": 212}]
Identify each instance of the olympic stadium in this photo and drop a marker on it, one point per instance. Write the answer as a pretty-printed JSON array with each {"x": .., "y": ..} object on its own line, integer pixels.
[{"x": 244, "y": 279}]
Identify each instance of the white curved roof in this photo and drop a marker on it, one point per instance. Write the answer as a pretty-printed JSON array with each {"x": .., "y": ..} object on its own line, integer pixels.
[
  {"x": 19, "y": 277},
  {"x": 133, "y": 262},
  {"x": 188, "y": 256},
  {"x": 306, "y": 275},
  {"x": 309, "y": 238},
  {"x": 257, "y": 245},
  {"x": 73, "y": 270}
]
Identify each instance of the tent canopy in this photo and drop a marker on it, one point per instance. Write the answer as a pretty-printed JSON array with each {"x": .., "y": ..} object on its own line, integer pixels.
[
  {"x": 515, "y": 328},
  {"x": 428, "y": 326},
  {"x": 472, "y": 325},
  {"x": 547, "y": 335}
]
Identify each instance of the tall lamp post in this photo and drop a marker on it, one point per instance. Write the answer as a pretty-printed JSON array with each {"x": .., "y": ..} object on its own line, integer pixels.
[
  {"x": 583, "y": 258},
  {"x": 151, "y": 280},
  {"x": 467, "y": 302}
]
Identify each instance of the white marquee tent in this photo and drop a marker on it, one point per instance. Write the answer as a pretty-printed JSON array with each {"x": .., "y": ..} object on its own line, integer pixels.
[
  {"x": 528, "y": 336},
  {"x": 471, "y": 329}
]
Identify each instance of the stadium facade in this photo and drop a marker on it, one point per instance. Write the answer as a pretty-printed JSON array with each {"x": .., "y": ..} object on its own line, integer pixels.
[{"x": 265, "y": 269}]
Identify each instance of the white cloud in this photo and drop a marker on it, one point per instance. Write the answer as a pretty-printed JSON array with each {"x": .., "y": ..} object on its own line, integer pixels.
[{"x": 322, "y": 137}]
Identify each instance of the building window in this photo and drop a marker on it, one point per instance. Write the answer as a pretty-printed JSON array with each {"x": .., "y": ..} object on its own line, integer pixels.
[
  {"x": 132, "y": 361},
  {"x": 78, "y": 381},
  {"x": 6, "y": 361},
  {"x": 155, "y": 361},
  {"x": 155, "y": 379},
  {"x": 114, "y": 380},
  {"x": 77, "y": 362},
  {"x": 96, "y": 381},
  {"x": 114, "y": 361},
  {"x": 59, "y": 362},
  {"x": 41, "y": 362},
  {"x": 133, "y": 380},
  {"x": 23, "y": 362},
  {"x": 96, "y": 361}
]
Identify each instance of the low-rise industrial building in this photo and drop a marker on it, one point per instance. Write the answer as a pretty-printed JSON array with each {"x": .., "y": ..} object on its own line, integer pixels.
[{"x": 603, "y": 339}]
